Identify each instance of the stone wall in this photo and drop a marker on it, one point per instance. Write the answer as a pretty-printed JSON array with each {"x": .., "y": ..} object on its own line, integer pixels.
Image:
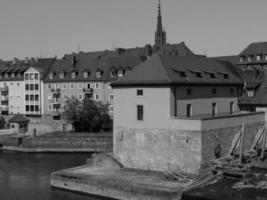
[
  {"x": 186, "y": 149},
  {"x": 158, "y": 149}
]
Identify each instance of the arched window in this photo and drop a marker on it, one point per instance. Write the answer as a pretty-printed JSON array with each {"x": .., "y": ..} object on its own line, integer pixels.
[
  {"x": 120, "y": 72},
  {"x": 113, "y": 72},
  {"x": 86, "y": 73}
]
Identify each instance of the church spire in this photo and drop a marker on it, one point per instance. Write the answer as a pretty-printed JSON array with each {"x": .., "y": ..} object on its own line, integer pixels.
[{"x": 160, "y": 34}]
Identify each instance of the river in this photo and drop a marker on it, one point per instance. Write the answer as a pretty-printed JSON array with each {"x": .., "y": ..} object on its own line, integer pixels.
[{"x": 27, "y": 176}]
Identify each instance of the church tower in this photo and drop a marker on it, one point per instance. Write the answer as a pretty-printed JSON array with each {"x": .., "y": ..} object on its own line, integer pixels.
[{"x": 160, "y": 34}]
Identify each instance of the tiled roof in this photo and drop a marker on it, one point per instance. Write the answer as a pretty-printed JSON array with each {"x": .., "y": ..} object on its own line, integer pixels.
[
  {"x": 255, "y": 48},
  {"x": 20, "y": 66},
  {"x": 18, "y": 118},
  {"x": 91, "y": 65},
  {"x": 175, "y": 70},
  {"x": 256, "y": 80},
  {"x": 179, "y": 49},
  {"x": 233, "y": 59}
]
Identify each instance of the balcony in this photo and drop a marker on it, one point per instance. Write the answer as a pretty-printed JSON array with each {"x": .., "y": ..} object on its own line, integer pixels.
[
  {"x": 55, "y": 90},
  {"x": 4, "y": 108},
  {"x": 88, "y": 90},
  {"x": 4, "y": 98},
  {"x": 4, "y": 89}
]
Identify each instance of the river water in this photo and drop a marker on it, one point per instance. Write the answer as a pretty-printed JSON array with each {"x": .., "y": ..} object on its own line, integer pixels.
[{"x": 27, "y": 176}]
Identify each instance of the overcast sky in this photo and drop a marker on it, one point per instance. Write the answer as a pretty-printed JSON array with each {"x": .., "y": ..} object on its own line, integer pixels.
[{"x": 46, "y": 28}]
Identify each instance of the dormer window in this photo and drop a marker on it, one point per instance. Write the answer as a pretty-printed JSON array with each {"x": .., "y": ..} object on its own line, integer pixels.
[
  {"x": 212, "y": 75},
  {"x": 6, "y": 75},
  {"x": 99, "y": 74},
  {"x": 266, "y": 57},
  {"x": 113, "y": 73},
  {"x": 241, "y": 58},
  {"x": 198, "y": 75},
  {"x": 182, "y": 74},
  {"x": 62, "y": 75},
  {"x": 120, "y": 73},
  {"x": 1, "y": 76},
  {"x": 250, "y": 93},
  {"x": 85, "y": 74},
  {"x": 250, "y": 58},
  {"x": 13, "y": 75},
  {"x": 258, "y": 57},
  {"x": 51, "y": 75},
  {"x": 74, "y": 74},
  {"x": 226, "y": 76}
]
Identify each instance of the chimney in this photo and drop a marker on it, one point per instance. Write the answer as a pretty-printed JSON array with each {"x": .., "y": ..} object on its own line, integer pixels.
[
  {"x": 26, "y": 60},
  {"x": 15, "y": 60},
  {"x": 73, "y": 61}
]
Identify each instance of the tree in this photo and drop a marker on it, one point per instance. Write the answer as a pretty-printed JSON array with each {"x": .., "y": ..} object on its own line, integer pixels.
[
  {"x": 87, "y": 115},
  {"x": 2, "y": 122}
]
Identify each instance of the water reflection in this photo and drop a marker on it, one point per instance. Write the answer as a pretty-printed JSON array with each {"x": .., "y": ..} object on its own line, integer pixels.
[{"x": 27, "y": 176}]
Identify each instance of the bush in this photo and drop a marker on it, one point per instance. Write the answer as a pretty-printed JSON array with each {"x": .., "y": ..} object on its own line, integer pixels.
[{"x": 87, "y": 115}]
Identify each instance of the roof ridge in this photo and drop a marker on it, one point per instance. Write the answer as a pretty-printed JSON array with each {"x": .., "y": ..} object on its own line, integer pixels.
[{"x": 164, "y": 68}]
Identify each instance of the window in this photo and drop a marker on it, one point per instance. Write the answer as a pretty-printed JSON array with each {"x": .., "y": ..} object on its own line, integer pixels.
[
  {"x": 80, "y": 96},
  {"x": 31, "y": 86},
  {"x": 36, "y": 108},
  {"x": 36, "y": 76},
  {"x": 86, "y": 74},
  {"x": 113, "y": 73},
  {"x": 182, "y": 74},
  {"x": 80, "y": 85},
  {"x": 250, "y": 58},
  {"x": 72, "y": 96},
  {"x": 18, "y": 84},
  {"x": 250, "y": 93},
  {"x": 241, "y": 58},
  {"x": 27, "y": 87},
  {"x": 266, "y": 57},
  {"x": 72, "y": 86},
  {"x": 214, "y": 91},
  {"x": 109, "y": 86},
  {"x": 214, "y": 109},
  {"x": 56, "y": 86},
  {"x": 31, "y": 97},
  {"x": 73, "y": 74},
  {"x": 188, "y": 91},
  {"x": 111, "y": 97},
  {"x": 258, "y": 57},
  {"x": 49, "y": 107},
  {"x": 226, "y": 76},
  {"x": 139, "y": 92},
  {"x": 198, "y": 75},
  {"x": 97, "y": 97},
  {"x": 98, "y": 74},
  {"x": 231, "y": 90},
  {"x": 120, "y": 73},
  {"x": 110, "y": 108},
  {"x": 13, "y": 75},
  {"x": 27, "y": 108},
  {"x": 188, "y": 110},
  {"x": 36, "y": 86},
  {"x": 97, "y": 85},
  {"x": 32, "y": 108},
  {"x": 232, "y": 107},
  {"x": 140, "y": 112},
  {"x": 26, "y": 76},
  {"x": 49, "y": 86},
  {"x": 64, "y": 85},
  {"x": 88, "y": 86},
  {"x": 36, "y": 97},
  {"x": 51, "y": 75},
  {"x": 6, "y": 75},
  {"x": 27, "y": 97},
  {"x": 212, "y": 75},
  {"x": 61, "y": 75}
]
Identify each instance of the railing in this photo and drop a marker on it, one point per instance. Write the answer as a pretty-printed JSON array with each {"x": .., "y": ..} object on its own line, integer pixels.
[
  {"x": 55, "y": 90},
  {"x": 88, "y": 90}
]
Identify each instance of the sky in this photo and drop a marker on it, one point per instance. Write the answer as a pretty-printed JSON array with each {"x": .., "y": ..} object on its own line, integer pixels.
[{"x": 45, "y": 28}]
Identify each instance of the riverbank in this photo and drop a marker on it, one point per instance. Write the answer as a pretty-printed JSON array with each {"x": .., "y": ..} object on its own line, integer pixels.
[
  {"x": 103, "y": 175},
  {"x": 58, "y": 142}
]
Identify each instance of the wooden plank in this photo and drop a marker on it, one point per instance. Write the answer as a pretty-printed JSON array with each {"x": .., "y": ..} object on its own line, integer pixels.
[
  {"x": 257, "y": 140},
  {"x": 242, "y": 144},
  {"x": 235, "y": 143}
]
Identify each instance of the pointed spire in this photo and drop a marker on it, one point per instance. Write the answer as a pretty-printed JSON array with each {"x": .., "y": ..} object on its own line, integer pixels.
[
  {"x": 160, "y": 34},
  {"x": 159, "y": 26}
]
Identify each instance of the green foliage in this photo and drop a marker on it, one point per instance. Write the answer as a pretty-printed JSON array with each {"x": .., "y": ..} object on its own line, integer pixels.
[
  {"x": 2, "y": 122},
  {"x": 87, "y": 115}
]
